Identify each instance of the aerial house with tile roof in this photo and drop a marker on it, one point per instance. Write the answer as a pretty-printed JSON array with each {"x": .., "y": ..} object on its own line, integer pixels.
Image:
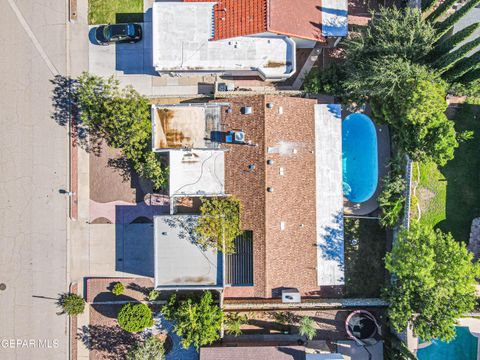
[{"x": 241, "y": 37}]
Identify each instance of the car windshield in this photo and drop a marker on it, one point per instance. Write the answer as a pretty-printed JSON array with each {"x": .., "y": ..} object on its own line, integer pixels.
[{"x": 131, "y": 30}]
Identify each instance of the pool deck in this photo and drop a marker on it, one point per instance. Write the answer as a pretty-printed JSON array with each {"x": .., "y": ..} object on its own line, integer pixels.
[{"x": 383, "y": 145}]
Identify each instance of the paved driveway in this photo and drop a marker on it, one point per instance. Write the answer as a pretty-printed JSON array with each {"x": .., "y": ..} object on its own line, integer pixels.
[{"x": 132, "y": 65}]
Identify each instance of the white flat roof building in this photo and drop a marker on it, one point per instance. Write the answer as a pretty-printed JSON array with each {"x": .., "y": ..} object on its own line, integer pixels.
[
  {"x": 196, "y": 172},
  {"x": 182, "y": 43},
  {"x": 179, "y": 261}
]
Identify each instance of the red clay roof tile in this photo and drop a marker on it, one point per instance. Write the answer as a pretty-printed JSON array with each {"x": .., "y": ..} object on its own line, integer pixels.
[{"x": 299, "y": 18}]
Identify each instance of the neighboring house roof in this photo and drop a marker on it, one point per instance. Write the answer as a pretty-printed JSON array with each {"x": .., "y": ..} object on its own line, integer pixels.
[
  {"x": 253, "y": 352},
  {"x": 306, "y": 19},
  {"x": 283, "y": 221}
]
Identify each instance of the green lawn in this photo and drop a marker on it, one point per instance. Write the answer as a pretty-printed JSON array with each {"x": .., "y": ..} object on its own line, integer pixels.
[
  {"x": 449, "y": 197},
  {"x": 365, "y": 247},
  {"x": 114, "y": 11}
]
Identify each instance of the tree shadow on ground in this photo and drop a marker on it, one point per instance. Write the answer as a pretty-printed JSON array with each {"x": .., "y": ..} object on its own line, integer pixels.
[
  {"x": 112, "y": 341},
  {"x": 144, "y": 290},
  {"x": 462, "y": 174},
  {"x": 65, "y": 105}
]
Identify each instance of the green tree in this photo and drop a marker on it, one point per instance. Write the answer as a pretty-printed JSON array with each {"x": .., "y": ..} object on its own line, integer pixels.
[
  {"x": 433, "y": 282},
  {"x": 441, "y": 10},
  {"x": 122, "y": 118},
  {"x": 198, "y": 323},
  {"x": 392, "y": 200},
  {"x": 118, "y": 289},
  {"x": 219, "y": 223},
  {"x": 444, "y": 46},
  {"x": 462, "y": 67},
  {"x": 391, "y": 32},
  {"x": 448, "y": 60},
  {"x": 150, "y": 349},
  {"x": 135, "y": 317},
  {"x": 71, "y": 304},
  {"x": 306, "y": 327},
  {"x": 444, "y": 26}
]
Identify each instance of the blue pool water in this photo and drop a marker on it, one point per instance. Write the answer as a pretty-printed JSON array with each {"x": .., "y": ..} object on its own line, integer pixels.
[
  {"x": 359, "y": 157},
  {"x": 463, "y": 347}
]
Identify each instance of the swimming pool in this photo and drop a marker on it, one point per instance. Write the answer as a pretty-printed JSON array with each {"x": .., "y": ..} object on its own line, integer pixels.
[
  {"x": 359, "y": 157},
  {"x": 463, "y": 347}
]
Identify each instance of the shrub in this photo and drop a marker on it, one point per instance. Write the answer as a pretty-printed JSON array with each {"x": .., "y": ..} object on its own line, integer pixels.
[
  {"x": 392, "y": 200},
  {"x": 198, "y": 323},
  {"x": 449, "y": 22},
  {"x": 444, "y": 46},
  {"x": 153, "y": 295},
  {"x": 71, "y": 304},
  {"x": 135, "y": 317},
  {"x": 150, "y": 349},
  {"x": 118, "y": 289},
  {"x": 328, "y": 81},
  {"x": 219, "y": 223},
  {"x": 307, "y": 327},
  {"x": 433, "y": 282},
  {"x": 234, "y": 322}
]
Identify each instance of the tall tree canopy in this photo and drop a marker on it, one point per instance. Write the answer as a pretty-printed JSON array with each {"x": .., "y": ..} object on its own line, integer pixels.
[
  {"x": 121, "y": 116},
  {"x": 219, "y": 223},
  {"x": 433, "y": 282}
]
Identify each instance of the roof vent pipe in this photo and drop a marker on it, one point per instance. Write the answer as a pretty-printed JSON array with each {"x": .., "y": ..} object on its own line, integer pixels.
[
  {"x": 247, "y": 110},
  {"x": 270, "y": 189},
  {"x": 269, "y": 105},
  {"x": 269, "y": 162}
]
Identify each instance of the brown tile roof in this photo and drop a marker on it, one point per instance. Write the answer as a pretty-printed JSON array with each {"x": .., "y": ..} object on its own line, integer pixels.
[
  {"x": 282, "y": 257},
  {"x": 254, "y": 352},
  {"x": 299, "y": 18}
]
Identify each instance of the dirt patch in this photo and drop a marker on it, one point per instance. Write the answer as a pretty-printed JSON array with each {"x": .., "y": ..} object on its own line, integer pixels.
[
  {"x": 99, "y": 289},
  {"x": 103, "y": 337},
  {"x": 424, "y": 196},
  {"x": 111, "y": 179}
]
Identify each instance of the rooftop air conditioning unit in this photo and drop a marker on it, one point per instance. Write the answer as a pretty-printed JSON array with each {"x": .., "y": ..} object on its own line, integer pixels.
[
  {"x": 239, "y": 136},
  {"x": 290, "y": 296}
]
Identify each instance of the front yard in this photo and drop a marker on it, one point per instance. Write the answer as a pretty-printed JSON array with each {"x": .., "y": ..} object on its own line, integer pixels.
[
  {"x": 448, "y": 197},
  {"x": 114, "y": 11}
]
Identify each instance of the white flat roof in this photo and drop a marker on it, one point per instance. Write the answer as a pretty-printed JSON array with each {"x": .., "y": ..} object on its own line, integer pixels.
[
  {"x": 196, "y": 172},
  {"x": 179, "y": 261},
  {"x": 329, "y": 195},
  {"x": 181, "y": 42}
]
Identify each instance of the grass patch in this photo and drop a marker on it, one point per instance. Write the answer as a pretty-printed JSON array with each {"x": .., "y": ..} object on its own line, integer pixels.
[
  {"x": 365, "y": 247},
  {"x": 451, "y": 195},
  {"x": 430, "y": 194},
  {"x": 114, "y": 11}
]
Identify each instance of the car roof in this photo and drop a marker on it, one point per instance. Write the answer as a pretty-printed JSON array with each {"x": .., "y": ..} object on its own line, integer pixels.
[{"x": 118, "y": 29}]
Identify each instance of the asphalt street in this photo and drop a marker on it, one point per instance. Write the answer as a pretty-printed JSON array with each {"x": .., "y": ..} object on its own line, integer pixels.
[{"x": 33, "y": 167}]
